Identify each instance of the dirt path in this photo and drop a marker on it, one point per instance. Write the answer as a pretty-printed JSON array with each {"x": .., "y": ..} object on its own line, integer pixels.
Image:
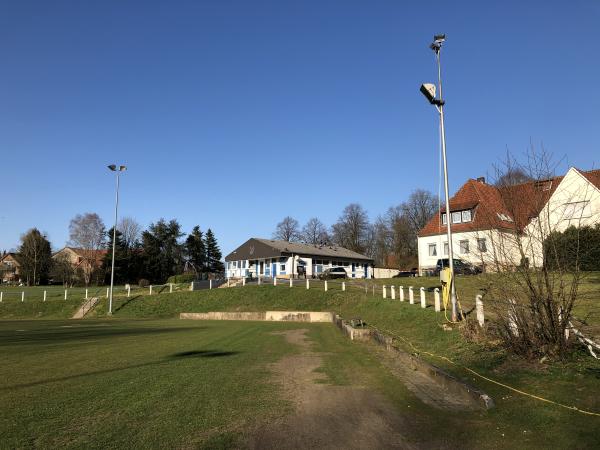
[{"x": 326, "y": 416}]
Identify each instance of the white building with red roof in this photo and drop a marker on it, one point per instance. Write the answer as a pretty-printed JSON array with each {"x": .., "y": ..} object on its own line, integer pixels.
[{"x": 501, "y": 227}]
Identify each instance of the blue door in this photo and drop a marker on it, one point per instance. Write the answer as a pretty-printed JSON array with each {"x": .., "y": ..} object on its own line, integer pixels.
[
  {"x": 274, "y": 269},
  {"x": 353, "y": 270}
]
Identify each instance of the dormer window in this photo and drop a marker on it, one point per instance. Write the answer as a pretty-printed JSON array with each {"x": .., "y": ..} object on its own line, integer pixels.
[{"x": 459, "y": 216}]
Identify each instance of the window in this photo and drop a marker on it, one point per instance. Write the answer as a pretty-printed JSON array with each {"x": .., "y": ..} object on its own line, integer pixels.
[
  {"x": 466, "y": 215},
  {"x": 464, "y": 246},
  {"x": 504, "y": 217},
  {"x": 444, "y": 218},
  {"x": 432, "y": 250},
  {"x": 282, "y": 267},
  {"x": 456, "y": 215},
  {"x": 481, "y": 245},
  {"x": 445, "y": 248},
  {"x": 577, "y": 210}
]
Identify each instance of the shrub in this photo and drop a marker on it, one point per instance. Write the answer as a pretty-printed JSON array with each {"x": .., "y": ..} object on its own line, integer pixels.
[
  {"x": 143, "y": 283},
  {"x": 183, "y": 278},
  {"x": 573, "y": 247}
]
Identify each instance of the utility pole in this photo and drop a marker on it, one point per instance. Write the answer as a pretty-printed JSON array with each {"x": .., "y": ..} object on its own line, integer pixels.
[{"x": 117, "y": 170}]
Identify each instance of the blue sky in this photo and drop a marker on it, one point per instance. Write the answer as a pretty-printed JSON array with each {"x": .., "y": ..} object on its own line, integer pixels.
[{"x": 234, "y": 114}]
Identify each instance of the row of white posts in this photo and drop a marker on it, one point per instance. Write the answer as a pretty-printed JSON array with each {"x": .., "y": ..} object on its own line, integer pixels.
[{"x": 436, "y": 296}]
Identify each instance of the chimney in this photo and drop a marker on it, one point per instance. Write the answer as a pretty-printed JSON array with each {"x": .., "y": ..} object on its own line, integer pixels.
[{"x": 481, "y": 180}]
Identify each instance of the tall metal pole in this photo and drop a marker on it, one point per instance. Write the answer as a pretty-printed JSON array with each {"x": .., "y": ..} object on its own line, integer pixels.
[
  {"x": 446, "y": 190},
  {"x": 112, "y": 271}
]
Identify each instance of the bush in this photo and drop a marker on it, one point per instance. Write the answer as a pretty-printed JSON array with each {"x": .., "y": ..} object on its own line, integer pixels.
[
  {"x": 143, "y": 283},
  {"x": 574, "y": 246},
  {"x": 183, "y": 278}
]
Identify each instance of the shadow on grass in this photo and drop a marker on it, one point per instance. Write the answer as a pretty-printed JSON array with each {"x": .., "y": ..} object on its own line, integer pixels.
[
  {"x": 203, "y": 354},
  {"x": 72, "y": 335},
  {"x": 167, "y": 360}
]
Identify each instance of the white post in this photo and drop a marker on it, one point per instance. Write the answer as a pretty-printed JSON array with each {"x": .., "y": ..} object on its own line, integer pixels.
[
  {"x": 307, "y": 284},
  {"x": 128, "y": 291},
  {"x": 150, "y": 289},
  {"x": 192, "y": 286},
  {"x": 436, "y": 296},
  {"x": 393, "y": 288},
  {"x": 86, "y": 293},
  {"x": 1, "y": 295},
  {"x": 479, "y": 308},
  {"x": 343, "y": 285},
  {"x": 274, "y": 281},
  {"x": 107, "y": 289},
  {"x": 65, "y": 294},
  {"x": 411, "y": 296},
  {"x": 243, "y": 281},
  {"x": 23, "y": 296},
  {"x": 259, "y": 280},
  {"x": 209, "y": 284},
  {"x": 423, "y": 300},
  {"x": 401, "y": 289},
  {"x": 384, "y": 291},
  {"x": 512, "y": 317},
  {"x": 44, "y": 295},
  {"x": 560, "y": 320},
  {"x": 326, "y": 285},
  {"x": 170, "y": 288},
  {"x": 227, "y": 282},
  {"x": 291, "y": 282}
]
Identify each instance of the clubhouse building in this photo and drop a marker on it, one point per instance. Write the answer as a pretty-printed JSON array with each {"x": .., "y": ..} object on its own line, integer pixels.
[{"x": 270, "y": 258}]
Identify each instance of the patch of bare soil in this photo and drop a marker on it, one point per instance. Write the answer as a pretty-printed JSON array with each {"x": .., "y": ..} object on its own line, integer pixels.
[
  {"x": 327, "y": 417},
  {"x": 423, "y": 387}
]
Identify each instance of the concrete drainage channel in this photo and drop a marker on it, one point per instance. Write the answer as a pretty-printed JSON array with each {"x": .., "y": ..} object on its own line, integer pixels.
[{"x": 467, "y": 395}]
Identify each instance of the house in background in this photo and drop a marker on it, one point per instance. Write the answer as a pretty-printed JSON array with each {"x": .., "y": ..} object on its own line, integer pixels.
[
  {"x": 10, "y": 268},
  {"x": 268, "y": 258},
  {"x": 492, "y": 225},
  {"x": 85, "y": 263}
]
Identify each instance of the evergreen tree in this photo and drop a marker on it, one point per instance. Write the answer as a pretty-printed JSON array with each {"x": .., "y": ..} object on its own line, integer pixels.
[
  {"x": 163, "y": 254},
  {"x": 126, "y": 264},
  {"x": 213, "y": 253},
  {"x": 35, "y": 256},
  {"x": 196, "y": 250}
]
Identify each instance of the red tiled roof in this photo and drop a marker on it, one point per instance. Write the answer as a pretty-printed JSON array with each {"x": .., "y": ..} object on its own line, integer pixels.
[{"x": 520, "y": 202}]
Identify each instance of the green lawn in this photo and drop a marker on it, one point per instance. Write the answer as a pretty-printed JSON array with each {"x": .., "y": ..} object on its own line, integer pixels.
[{"x": 148, "y": 343}]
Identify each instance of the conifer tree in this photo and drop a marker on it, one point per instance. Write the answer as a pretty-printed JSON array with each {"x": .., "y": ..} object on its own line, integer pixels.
[
  {"x": 196, "y": 250},
  {"x": 213, "y": 253}
]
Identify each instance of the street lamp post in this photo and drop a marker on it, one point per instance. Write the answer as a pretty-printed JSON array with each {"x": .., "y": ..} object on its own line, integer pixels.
[
  {"x": 429, "y": 91},
  {"x": 117, "y": 170}
]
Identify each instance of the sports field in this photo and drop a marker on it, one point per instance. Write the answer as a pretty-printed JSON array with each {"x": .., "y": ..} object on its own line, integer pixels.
[{"x": 146, "y": 379}]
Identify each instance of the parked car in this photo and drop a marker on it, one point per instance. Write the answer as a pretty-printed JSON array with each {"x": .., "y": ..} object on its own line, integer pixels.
[
  {"x": 334, "y": 272},
  {"x": 407, "y": 273},
  {"x": 460, "y": 267}
]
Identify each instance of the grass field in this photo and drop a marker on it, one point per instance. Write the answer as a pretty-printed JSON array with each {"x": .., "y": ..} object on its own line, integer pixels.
[{"x": 59, "y": 365}]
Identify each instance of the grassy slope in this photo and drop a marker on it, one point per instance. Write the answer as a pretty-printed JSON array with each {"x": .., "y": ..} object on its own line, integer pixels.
[{"x": 575, "y": 382}]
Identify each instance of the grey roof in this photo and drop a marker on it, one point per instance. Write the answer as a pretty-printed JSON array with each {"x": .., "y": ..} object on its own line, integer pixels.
[{"x": 284, "y": 247}]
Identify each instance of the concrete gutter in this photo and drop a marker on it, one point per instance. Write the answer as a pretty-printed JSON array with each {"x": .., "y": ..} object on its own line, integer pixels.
[{"x": 435, "y": 373}]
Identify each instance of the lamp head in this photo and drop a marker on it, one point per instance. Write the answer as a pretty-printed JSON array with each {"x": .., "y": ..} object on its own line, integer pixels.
[
  {"x": 428, "y": 90},
  {"x": 112, "y": 167},
  {"x": 438, "y": 39}
]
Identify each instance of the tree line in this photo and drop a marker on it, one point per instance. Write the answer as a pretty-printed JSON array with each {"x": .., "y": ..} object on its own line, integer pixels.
[
  {"x": 152, "y": 255},
  {"x": 391, "y": 240}
]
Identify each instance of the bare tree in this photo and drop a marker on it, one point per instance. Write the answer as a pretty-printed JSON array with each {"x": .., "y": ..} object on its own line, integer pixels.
[
  {"x": 87, "y": 232},
  {"x": 287, "y": 230},
  {"x": 131, "y": 231},
  {"x": 352, "y": 230},
  {"x": 315, "y": 232},
  {"x": 533, "y": 295},
  {"x": 420, "y": 207}
]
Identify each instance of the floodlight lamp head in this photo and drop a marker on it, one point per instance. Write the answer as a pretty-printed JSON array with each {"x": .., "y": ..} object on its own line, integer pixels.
[
  {"x": 428, "y": 90},
  {"x": 112, "y": 167},
  {"x": 122, "y": 168},
  {"x": 438, "y": 39}
]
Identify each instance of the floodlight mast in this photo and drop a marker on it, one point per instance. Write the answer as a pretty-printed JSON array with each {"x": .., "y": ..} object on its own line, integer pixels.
[
  {"x": 117, "y": 170},
  {"x": 439, "y": 102}
]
